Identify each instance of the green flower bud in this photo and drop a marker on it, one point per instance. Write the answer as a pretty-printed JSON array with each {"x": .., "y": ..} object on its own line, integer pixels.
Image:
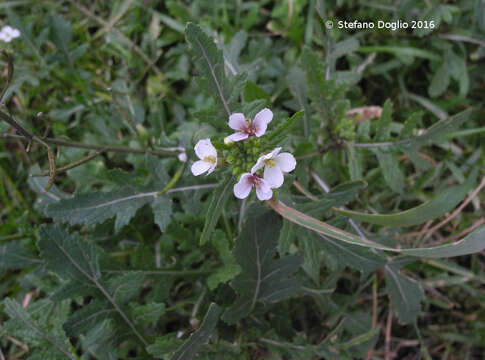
[{"x": 230, "y": 159}]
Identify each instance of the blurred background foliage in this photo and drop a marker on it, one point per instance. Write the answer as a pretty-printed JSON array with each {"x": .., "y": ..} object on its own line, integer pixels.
[{"x": 121, "y": 73}]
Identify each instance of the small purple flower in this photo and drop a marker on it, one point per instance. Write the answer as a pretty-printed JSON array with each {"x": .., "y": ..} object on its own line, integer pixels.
[
  {"x": 246, "y": 127},
  {"x": 275, "y": 166},
  {"x": 207, "y": 154},
  {"x": 7, "y": 33},
  {"x": 247, "y": 182}
]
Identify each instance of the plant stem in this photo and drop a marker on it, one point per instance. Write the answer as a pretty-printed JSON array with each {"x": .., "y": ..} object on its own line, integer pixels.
[
  {"x": 107, "y": 148},
  {"x": 172, "y": 182}
]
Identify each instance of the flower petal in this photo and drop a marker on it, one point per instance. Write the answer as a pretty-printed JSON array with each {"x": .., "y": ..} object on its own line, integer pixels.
[
  {"x": 237, "y": 136},
  {"x": 261, "y": 121},
  {"x": 285, "y": 161},
  {"x": 274, "y": 176},
  {"x": 263, "y": 190},
  {"x": 211, "y": 168},
  {"x": 237, "y": 121},
  {"x": 15, "y": 33},
  {"x": 204, "y": 148},
  {"x": 200, "y": 167},
  {"x": 259, "y": 164},
  {"x": 243, "y": 187}
]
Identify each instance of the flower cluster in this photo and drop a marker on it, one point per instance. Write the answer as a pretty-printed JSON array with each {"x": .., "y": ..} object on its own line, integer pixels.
[
  {"x": 8, "y": 33},
  {"x": 269, "y": 168}
]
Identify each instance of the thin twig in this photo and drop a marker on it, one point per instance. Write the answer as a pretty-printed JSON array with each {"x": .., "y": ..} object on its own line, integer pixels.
[
  {"x": 468, "y": 230},
  {"x": 388, "y": 354},
  {"x": 12, "y": 237},
  {"x": 33, "y": 138},
  {"x": 71, "y": 166},
  {"x": 107, "y": 148}
]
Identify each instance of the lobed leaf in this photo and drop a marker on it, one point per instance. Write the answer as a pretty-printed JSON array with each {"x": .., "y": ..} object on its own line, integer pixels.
[
  {"x": 95, "y": 208},
  {"x": 189, "y": 348},
  {"x": 67, "y": 255},
  {"x": 25, "y": 321},
  {"x": 210, "y": 63},
  {"x": 263, "y": 278},
  {"x": 405, "y": 293},
  {"x": 16, "y": 256}
]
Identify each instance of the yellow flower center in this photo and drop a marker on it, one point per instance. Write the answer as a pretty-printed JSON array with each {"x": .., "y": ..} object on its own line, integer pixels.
[
  {"x": 210, "y": 159},
  {"x": 270, "y": 162}
]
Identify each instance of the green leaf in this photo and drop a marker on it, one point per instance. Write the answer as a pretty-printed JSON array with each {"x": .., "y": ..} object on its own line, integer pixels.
[
  {"x": 229, "y": 268},
  {"x": 405, "y": 293},
  {"x": 125, "y": 287},
  {"x": 86, "y": 318},
  {"x": 296, "y": 80},
  {"x": 72, "y": 258},
  {"x": 434, "y": 134},
  {"x": 253, "y": 92},
  {"x": 67, "y": 255},
  {"x": 164, "y": 345},
  {"x": 95, "y": 208},
  {"x": 401, "y": 51},
  {"x": 189, "y": 348},
  {"x": 16, "y": 256},
  {"x": 472, "y": 243},
  {"x": 219, "y": 198},
  {"x": 437, "y": 133},
  {"x": 445, "y": 201},
  {"x": 223, "y": 275},
  {"x": 283, "y": 129},
  {"x": 162, "y": 210},
  {"x": 210, "y": 63},
  {"x": 61, "y": 34},
  {"x": 390, "y": 170},
  {"x": 360, "y": 339},
  {"x": 37, "y": 330},
  {"x": 147, "y": 313},
  {"x": 344, "y": 47},
  {"x": 410, "y": 124},
  {"x": 440, "y": 81},
  {"x": 263, "y": 278},
  {"x": 384, "y": 122},
  {"x": 353, "y": 256}
]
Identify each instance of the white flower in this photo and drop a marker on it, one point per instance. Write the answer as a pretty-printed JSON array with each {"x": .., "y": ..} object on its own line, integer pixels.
[
  {"x": 247, "y": 182},
  {"x": 246, "y": 127},
  {"x": 207, "y": 155},
  {"x": 228, "y": 141},
  {"x": 8, "y": 33},
  {"x": 182, "y": 157},
  {"x": 275, "y": 165}
]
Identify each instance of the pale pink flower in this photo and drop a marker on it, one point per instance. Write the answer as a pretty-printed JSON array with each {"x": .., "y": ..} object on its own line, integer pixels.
[
  {"x": 7, "y": 33},
  {"x": 247, "y": 182},
  {"x": 275, "y": 166},
  {"x": 207, "y": 154},
  {"x": 246, "y": 127},
  {"x": 182, "y": 157}
]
